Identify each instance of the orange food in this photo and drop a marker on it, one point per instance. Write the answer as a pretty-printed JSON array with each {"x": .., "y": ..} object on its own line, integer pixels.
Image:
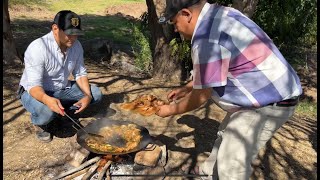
[
  {"x": 130, "y": 133},
  {"x": 145, "y": 105}
]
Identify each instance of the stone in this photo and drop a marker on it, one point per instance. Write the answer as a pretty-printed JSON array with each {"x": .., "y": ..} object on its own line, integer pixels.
[
  {"x": 149, "y": 156},
  {"x": 163, "y": 157},
  {"x": 77, "y": 157}
]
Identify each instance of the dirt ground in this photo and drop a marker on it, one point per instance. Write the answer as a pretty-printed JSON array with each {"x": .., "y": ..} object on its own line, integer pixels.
[{"x": 290, "y": 154}]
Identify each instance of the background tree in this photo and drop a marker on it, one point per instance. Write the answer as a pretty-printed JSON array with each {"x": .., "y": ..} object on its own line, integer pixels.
[
  {"x": 167, "y": 62},
  {"x": 247, "y": 7},
  {"x": 164, "y": 65},
  {"x": 10, "y": 53}
]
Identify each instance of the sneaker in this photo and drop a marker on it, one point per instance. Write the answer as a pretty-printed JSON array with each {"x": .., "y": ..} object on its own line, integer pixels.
[{"x": 42, "y": 134}]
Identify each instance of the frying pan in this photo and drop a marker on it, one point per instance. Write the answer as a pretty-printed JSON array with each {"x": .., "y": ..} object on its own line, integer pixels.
[{"x": 96, "y": 125}]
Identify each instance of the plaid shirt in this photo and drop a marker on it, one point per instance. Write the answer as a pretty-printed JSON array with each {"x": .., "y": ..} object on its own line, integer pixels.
[{"x": 235, "y": 57}]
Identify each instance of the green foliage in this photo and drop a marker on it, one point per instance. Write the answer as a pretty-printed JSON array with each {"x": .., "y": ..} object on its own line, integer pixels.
[
  {"x": 288, "y": 22},
  {"x": 180, "y": 49},
  {"x": 141, "y": 46}
]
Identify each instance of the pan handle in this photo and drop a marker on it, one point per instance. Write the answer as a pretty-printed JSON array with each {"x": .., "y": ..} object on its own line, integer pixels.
[
  {"x": 74, "y": 108},
  {"x": 73, "y": 125}
]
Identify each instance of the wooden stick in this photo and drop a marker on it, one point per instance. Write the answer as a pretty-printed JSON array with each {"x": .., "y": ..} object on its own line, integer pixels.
[
  {"x": 108, "y": 174},
  {"x": 74, "y": 175},
  {"x": 91, "y": 171},
  {"x": 103, "y": 170},
  {"x": 85, "y": 164}
]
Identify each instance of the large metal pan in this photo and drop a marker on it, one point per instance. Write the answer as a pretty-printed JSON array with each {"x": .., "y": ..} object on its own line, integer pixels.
[{"x": 96, "y": 125}]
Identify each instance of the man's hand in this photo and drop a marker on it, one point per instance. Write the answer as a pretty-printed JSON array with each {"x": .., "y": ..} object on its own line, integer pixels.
[
  {"x": 164, "y": 111},
  {"x": 54, "y": 104},
  {"x": 82, "y": 103},
  {"x": 179, "y": 93},
  {"x": 192, "y": 100}
]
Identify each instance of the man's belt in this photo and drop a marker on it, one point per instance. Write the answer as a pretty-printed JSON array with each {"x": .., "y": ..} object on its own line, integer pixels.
[{"x": 286, "y": 103}]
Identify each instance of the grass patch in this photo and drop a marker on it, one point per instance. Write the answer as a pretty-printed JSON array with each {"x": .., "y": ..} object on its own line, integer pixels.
[
  {"x": 27, "y": 3},
  {"x": 306, "y": 108},
  {"x": 30, "y": 28},
  {"x": 78, "y": 6},
  {"x": 116, "y": 28},
  {"x": 85, "y": 6}
]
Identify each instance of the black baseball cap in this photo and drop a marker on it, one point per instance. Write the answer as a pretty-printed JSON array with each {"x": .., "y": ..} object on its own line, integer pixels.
[
  {"x": 173, "y": 7},
  {"x": 69, "y": 22}
]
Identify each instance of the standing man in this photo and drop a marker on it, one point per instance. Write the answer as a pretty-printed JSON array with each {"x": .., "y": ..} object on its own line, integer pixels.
[
  {"x": 237, "y": 65},
  {"x": 45, "y": 90}
]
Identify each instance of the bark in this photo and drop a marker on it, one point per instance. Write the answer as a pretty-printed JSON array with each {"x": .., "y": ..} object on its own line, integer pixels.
[
  {"x": 164, "y": 65},
  {"x": 247, "y": 7},
  {"x": 10, "y": 53}
]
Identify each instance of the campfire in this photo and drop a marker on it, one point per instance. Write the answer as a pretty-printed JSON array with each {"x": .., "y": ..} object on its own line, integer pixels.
[{"x": 90, "y": 166}]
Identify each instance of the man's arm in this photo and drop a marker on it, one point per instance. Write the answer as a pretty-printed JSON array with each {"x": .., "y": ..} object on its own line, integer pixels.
[
  {"x": 34, "y": 61},
  {"x": 39, "y": 94},
  {"x": 84, "y": 85},
  {"x": 178, "y": 93},
  {"x": 190, "y": 102}
]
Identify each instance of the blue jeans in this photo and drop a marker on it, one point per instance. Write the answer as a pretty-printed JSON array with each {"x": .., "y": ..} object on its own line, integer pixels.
[{"x": 42, "y": 115}]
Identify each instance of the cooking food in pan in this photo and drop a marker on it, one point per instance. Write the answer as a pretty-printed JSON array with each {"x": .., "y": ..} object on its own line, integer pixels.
[
  {"x": 145, "y": 105},
  {"x": 129, "y": 133}
]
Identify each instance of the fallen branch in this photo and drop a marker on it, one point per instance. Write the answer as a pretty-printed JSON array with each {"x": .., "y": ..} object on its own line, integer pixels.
[{"x": 85, "y": 164}]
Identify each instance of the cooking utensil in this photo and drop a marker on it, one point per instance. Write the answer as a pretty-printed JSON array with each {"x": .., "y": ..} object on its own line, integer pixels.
[
  {"x": 114, "y": 141},
  {"x": 96, "y": 125}
]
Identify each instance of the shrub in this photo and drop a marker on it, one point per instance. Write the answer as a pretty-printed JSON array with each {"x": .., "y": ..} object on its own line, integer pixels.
[{"x": 141, "y": 46}]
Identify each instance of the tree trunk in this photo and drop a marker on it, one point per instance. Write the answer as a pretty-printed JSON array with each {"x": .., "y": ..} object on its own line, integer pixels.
[
  {"x": 10, "y": 53},
  {"x": 247, "y": 7},
  {"x": 164, "y": 65}
]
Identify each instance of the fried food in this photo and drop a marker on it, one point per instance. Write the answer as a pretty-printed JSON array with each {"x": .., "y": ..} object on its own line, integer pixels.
[
  {"x": 130, "y": 133},
  {"x": 145, "y": 105}
]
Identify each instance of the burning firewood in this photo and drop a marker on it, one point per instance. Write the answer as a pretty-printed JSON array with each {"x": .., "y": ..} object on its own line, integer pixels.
[
  {"x": 103, "y": 170},
  {"x": 106, "y": 158},
  {"x": 79, "y": 173},
  {"x": 85, "y": 164},
  {"x": 91, "y": 171}
]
